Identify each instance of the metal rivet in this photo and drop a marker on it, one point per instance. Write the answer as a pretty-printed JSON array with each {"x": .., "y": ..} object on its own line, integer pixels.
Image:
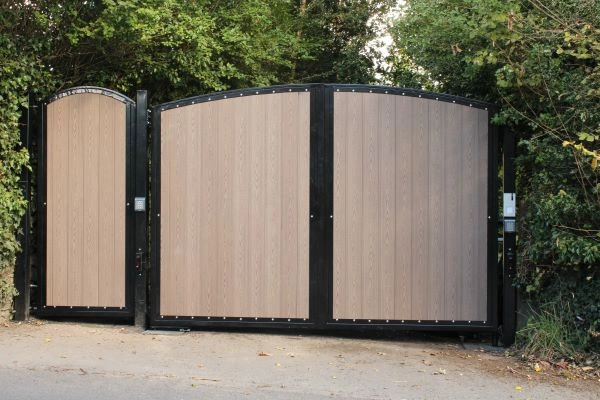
[
  {"x": 419, "y": 95},
  {"x": 71, "y": 307},
  {"x": 454, "y": 101},
  {"x": 470, "y": 105},
  {"x": 224, "y": 317},
  {"x": 256, "y": 319},
  {"x": 331, "y": 216},
  {"x": 44, "y": 203},
  {"x": 486, "y": 109},
  {"x": 162, "y": 316},
  {"x": 386, "y": 92},
  {"x": 289, "y": 319},
  {"x": 225, "y": 96},
  {"x": 452, "y": 321},
  {"x": 354, "y": 320},
  {"x": 240, "y": 319},
  {"x": 192, "y": 317},
  {"x": 312, "y": 216},
  {"x": 403, "y": 94},
  {"x": 337, "y": 319},
  {"x": 436, "y": 321},
  {"x": 402, "y": 321},
  {"x": 88, "y": 307},
  {"x": 176, "y": 317},
  {"x": 193, "y": 102},
  {"x": 387, "y": 320},
  {"x": 290, "y": 90},
  {"x": 337, "y": 90},
  {"x": 273, "y": 91},
  {"x": 208, "y": 318},
  {"x": 306, "y": 90},
  {"x": 210, "y": 98},
  {"x": 257, "y": 92},
  {"x": 369, "y": 320},
  {"x": 105, "y": 308},
  {"x": 370, "y": 91},
  {"x": 484, "y": 322},
  {"x": 419, "y": 321},
  {"x": 177, "y": 106},
  {"x": 127, "y": 204},
  {"x": 353, "y": 90},
  {"x": 272, "y": 319},
  {"x": 162, "y": 109},
  {"x": 437, "y": 98},
  {"x": 469, "y": 321}
]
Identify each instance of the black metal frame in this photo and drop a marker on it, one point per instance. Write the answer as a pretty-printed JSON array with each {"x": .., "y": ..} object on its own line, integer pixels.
[
  {"x": 83, "y": 311},
  {"x": 22, "y": 278},
  {"x": 321, "y": 219}
]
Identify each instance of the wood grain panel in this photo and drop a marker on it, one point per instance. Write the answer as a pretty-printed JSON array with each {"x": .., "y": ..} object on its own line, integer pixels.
[
  {"x": 85, "y": 244},
  {"x": 250, "y": 174},
  {"x": 410, "y": 204}
]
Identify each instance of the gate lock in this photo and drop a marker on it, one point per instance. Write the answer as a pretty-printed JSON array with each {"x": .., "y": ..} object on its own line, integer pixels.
[{"x": 139, "y": 263}]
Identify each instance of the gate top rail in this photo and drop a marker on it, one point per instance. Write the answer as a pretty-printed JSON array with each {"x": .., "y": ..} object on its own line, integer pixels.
[
  {"x": 361, "y": 88},
  {"x": 90, "y": 89}
]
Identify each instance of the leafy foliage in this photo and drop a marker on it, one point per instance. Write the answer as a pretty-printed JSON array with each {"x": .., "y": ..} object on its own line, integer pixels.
[{"x": 539, "y": 61}]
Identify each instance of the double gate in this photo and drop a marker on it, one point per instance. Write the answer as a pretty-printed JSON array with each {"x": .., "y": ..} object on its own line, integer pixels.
[{"x": 301, "y": 205}]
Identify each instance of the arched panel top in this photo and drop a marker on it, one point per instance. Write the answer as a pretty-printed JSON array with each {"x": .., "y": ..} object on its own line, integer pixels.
[
  {"x": 230, "y": 94},
  {"x": 398, "y": 91},
  {"x": 92, "y": 90},
  {"x": 391, "y": 90}
]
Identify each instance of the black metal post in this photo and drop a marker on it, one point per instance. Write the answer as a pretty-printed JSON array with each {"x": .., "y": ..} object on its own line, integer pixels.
[
  {"x": 22, "y": 277},
  {"x": 321, "y": 203},
  {"x": 509, "y": 303},
  {"x": 140, "y": 206}
]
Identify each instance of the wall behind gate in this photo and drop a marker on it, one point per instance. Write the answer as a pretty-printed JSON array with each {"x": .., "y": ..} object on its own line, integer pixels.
[
  {"x": 410, "y": 208},
  {"x": 234, "y": 207}
]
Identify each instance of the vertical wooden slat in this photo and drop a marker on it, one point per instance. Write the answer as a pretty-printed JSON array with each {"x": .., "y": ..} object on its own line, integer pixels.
[
  {"x": 58, "y": 200},
  {"x": 209, "y": 210},
  {"x": 273, "y": 203},
  {"x": 241, "y": 217},
  {"x": 420, "y": 195},
  {"x": 192, "y": 158},
  {"x": 120, "y": 161},
  {"x": 303, "y": 204},
  {"x": 258, "y": 112},
  {"x": 354, "y": 206},
  {"x": 340, "y": 211},
  {"x": 91, "y": 126},
  {"x": 387, "y": 206},
  {"x": 371, "y": 253},
  {"x": 404, "y": 202},
  {"x": 453, "y": 214},
  {"x": 289, "y": 205},
  {"x": 167, "y": 277},
  {"x": 76, "y": 199},
  {"x": 470, "y": 293},
  {"x": 106, "y": 201},
  {"x": 437, "y": 203}
]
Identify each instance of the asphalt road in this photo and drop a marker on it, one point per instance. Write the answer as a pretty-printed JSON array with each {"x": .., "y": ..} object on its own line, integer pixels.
[{"x": 62, "y": 361}]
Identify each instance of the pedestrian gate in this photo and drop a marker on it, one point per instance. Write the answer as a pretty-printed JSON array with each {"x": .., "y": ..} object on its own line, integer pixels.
[{"x": 301, "y": 205}]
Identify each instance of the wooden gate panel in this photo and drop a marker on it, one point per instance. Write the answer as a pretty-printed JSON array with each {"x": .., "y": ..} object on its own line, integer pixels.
[
  {"x": 410, "y": 206},
  {"x": 85, "y": 201},
  {"x": 234, "y": 190}
]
